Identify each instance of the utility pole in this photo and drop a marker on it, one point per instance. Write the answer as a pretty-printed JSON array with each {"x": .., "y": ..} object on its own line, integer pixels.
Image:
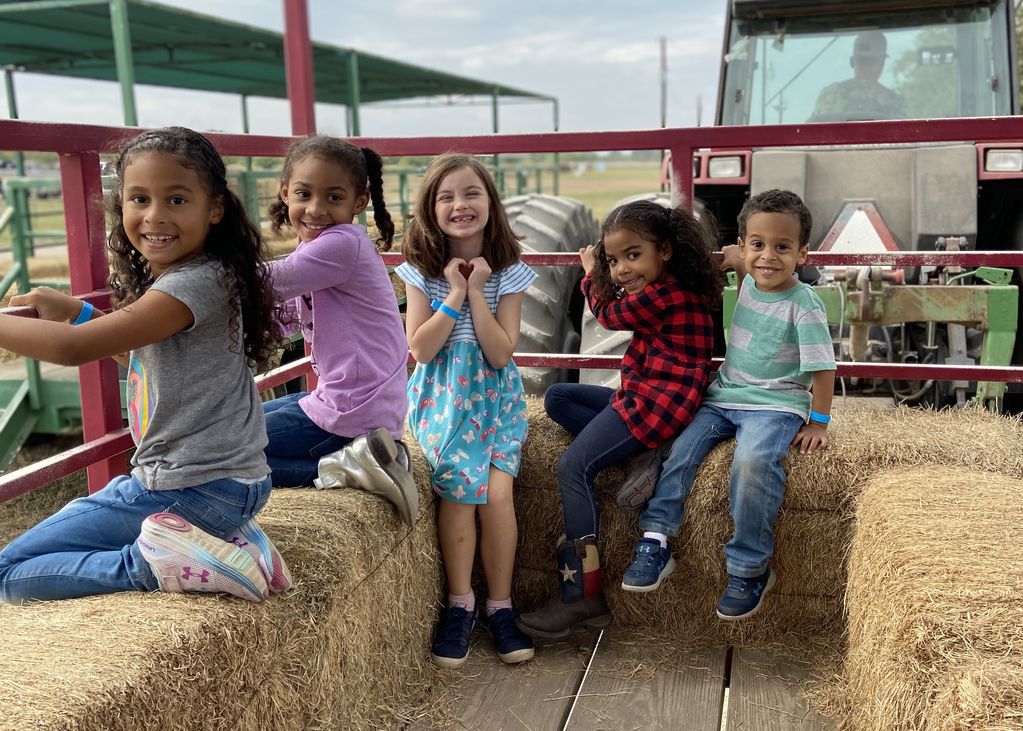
[{"x": 664, "y": 93}]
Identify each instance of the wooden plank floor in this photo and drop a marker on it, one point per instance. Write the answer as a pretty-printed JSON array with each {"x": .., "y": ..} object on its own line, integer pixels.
[{"x": 630, "y": 680}]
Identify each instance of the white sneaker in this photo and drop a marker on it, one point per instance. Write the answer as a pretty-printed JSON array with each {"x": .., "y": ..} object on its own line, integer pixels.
[{"x": 186, "y": 559}]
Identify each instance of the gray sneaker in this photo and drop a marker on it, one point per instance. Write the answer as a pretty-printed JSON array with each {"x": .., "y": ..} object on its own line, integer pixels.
[{"x": 641, "y": 473}]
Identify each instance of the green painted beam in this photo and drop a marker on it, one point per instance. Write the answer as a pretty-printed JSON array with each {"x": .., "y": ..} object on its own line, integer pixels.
[
  {"x": 38, "y": 5},
  {"x": 121, "y": 29},
  {"x": 354, "y": 93},
  {"x": 16, "y": 423}
]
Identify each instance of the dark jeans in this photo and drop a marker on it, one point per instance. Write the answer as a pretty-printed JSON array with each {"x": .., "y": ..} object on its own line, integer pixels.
[
  {"x": 601, "y": 439},
  {"x": 295, "y": 442}
]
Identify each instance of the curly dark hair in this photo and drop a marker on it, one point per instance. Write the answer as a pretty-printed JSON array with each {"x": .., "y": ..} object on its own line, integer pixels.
[
  {"x": 425, "y": 246},
  {"x": 691, "y": 241},
  {"x": 363, "y": 164},
  {"x": 778, "y": 201},
  {"x": 234, "y": 242}
]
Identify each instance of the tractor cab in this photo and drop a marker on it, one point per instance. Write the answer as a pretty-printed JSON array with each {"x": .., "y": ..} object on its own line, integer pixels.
[{"x": 792, "y": 62}]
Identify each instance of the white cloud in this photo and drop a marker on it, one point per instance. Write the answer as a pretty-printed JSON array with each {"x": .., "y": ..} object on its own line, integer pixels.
[{"x": 600, "y": 59}]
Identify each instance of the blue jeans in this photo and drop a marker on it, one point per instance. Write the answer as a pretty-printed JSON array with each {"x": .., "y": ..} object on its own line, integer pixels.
[
  {"x": 601, "y": 439},
  {"x": 755, "y": 488},
  {"x": 295, "y": 443},
  {"x": 88, "y": 547}
]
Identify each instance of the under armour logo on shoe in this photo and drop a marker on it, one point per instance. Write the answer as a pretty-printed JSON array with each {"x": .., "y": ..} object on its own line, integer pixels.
[
  {"x": 203, "y": 576},
  {"x": 236, "y": 540},
  {"x": 568, "y": 575}
]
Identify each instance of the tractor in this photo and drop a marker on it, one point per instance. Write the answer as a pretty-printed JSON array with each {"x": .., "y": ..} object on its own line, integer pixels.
[{"x": 794, "y": 62}]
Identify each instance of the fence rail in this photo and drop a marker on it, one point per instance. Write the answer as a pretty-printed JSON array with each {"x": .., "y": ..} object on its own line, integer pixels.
[{"x": 79, "y": 147}]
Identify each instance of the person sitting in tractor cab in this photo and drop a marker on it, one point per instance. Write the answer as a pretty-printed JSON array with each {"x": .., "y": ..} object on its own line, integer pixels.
[{"x": 863, "y": 96}]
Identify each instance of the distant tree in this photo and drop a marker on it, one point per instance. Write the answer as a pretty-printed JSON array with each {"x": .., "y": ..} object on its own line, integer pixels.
[
  {"x": 1019, "y": 41},
  {"x": 926, "y": 88}
]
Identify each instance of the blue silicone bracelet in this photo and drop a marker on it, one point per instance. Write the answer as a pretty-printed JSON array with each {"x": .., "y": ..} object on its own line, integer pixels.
[
  {"x": 85, "y": 315},
  {"x": 818, "y": 418},
  {"x": 444, "y": 309}
]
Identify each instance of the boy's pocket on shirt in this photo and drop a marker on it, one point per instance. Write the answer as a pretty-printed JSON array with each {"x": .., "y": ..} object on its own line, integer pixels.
[{"x": 765, "y": 343}]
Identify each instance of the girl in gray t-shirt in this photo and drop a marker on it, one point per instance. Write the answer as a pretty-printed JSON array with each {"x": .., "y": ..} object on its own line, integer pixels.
[{"x": 192, "y": 310}]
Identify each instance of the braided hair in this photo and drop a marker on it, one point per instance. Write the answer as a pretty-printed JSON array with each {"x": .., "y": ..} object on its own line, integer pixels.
[
  {"x": 363, "y": 164},
  {"x": 234, "y": 241}
]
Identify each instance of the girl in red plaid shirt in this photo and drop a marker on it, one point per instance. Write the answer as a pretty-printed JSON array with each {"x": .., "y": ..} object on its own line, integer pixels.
[{"x": 653, "y": 273}]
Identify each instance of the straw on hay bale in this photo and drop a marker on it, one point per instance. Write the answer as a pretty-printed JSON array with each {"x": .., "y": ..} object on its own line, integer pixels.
[
  {"x": 935, "y": 617},
  {"x": 346, "y": 648},
  {"x": 812, "y": 533}
]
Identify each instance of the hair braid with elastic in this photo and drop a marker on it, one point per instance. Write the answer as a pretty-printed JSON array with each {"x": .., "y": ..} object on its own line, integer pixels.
[{"x": 364, "y": 166}]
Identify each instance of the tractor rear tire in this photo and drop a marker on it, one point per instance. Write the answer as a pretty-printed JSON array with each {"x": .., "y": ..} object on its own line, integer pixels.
[{"x": 549, "y": 224}]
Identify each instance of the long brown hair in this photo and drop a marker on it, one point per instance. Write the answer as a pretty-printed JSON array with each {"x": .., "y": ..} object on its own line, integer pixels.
[
  {"x": 234, "y": 242},
  {"x": 426, "y": 247}
]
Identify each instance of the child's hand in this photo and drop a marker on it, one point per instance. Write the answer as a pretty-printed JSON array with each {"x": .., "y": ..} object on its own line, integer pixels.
[
  {"x": 811, "y": 438},
  {"x": 587, "y": 257},
  {"x": 732, "y": 258},
  {"x": 50, "y": 304},
  {"x": 453, "y": 273},
  {"x": 480, "y": 273}
]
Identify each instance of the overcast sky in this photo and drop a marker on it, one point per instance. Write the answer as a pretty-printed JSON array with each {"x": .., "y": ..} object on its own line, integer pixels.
[{"x": 599, "y": 58}]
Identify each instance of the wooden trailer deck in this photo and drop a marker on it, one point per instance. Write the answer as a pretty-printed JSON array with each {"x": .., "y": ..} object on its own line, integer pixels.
[{"x": 622, "y": 679}]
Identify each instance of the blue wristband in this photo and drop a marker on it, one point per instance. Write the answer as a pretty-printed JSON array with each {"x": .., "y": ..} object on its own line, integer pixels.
[
  {"x": 85, "y": 315},
  {"x": 817, "y": 418},
  {"x": 444, "y": 309}
]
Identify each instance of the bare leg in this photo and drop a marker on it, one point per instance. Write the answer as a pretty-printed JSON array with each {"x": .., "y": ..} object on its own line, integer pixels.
[
  {"x": 456, "y": 533},
  {"x": 498, "y": 535}
]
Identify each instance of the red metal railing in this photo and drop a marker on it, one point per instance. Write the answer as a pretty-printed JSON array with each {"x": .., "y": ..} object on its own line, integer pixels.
[{"x": 79, "y": 147}]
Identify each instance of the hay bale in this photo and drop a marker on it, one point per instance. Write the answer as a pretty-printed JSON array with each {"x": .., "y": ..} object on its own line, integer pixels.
[
  {"x": 812, "y": 534},
  {"x": 935, "y": 617},
  {"x": 347, "y": 648}
]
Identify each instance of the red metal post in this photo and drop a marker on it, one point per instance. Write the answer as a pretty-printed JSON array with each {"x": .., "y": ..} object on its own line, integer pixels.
[
  {"x": 298, "y": 59},
  {"x": 682, "y": 177},
  {"x": 87, "y": 264},
  {"x": 298, "y": 62}
]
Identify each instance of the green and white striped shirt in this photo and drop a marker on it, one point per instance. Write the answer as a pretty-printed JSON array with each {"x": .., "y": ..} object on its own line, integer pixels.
[{"x": 776, "y": 341}]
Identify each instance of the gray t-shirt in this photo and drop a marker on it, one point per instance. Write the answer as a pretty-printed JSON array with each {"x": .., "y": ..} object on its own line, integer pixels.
[{"x": 193, "y": 407}]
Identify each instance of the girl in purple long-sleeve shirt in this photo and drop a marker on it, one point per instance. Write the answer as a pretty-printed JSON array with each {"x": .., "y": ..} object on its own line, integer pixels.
[{"x": 344, "y": 432}]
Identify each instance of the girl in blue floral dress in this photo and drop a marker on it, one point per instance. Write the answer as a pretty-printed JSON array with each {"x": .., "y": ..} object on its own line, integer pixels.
[{"x": 464, "y": 294}]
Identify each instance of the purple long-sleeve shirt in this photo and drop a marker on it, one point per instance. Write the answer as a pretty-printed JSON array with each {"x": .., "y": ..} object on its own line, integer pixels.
[{"x": 359, "y": 347}]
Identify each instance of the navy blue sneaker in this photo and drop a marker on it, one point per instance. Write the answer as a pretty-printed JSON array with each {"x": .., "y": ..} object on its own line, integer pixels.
[
  {"x": 743, "y": 596},
  {"x": 451, "y": 643},
  {"x": 512, "y": 645},
  {"x": 651, "y": 564}
]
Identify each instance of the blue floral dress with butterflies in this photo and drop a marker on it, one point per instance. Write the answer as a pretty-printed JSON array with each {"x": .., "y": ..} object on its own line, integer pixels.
[{"x": 466, "y": 414}]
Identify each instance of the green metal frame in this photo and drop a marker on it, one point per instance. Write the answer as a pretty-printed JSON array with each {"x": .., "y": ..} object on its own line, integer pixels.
[
  {"x": 992, "y": 307},
  {"x": 182, "y": 49}
]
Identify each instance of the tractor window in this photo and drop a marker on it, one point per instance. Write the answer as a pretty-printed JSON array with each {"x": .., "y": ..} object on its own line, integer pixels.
[{"x": 920, "y": 64}]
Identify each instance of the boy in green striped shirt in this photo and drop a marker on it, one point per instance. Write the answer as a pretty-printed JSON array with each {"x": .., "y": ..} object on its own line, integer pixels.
[{"x": 773, "y": 392}]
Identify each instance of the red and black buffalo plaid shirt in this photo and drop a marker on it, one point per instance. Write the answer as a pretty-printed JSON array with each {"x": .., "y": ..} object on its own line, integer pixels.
[{"x": 667, "y": 364}]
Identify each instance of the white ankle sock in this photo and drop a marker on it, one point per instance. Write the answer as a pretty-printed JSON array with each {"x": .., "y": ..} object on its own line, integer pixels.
[
  {"x": 465, "y": 601},
  {"x": 493, "y": 606},
  {"x": 659, "y": 536}
]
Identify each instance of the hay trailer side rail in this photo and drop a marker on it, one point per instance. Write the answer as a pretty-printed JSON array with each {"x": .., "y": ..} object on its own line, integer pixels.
[{"x": 79, "y": 148}]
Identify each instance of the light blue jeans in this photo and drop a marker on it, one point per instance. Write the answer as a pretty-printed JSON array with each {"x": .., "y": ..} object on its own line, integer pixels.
[
  {"x": 88, "y": 547},
  {"x": 755, "y": 489}
]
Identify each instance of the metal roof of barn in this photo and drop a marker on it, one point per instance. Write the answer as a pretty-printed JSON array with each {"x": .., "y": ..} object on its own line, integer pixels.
[{"x": 172, "y": 47}]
